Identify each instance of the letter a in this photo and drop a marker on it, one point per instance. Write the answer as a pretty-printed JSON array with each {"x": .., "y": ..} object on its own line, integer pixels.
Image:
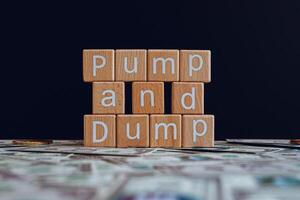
[
  {"x": 111, "y": 98},
  {"x": 105, "y": 131},
  {"x": 193, "y": 98},
  {"x": 95, "y": 66}
]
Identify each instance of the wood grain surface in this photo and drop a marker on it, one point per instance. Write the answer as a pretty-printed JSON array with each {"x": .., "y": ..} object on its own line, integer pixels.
[
  {"x": 133, "y": 131},
  {"x": 104, "y": 93},
  {"x": 149, "y": 93},
  {"x": 169, "y": 124},
  {"x": 98, "y": 65},
  {"x": 92, "y": 125},
  {"x": 195, "y": 65},
  {"x": 187, "y": 97},
  {"x": 160, "y": 63},
  {"x": 198, "y": 131},
  {"x": 131, "y": 65}
]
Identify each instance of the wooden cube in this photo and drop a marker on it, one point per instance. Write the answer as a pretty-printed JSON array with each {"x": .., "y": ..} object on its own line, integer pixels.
[
  {"x": 198, "y": 131},
  {"x": 98, "y": 65},
  {"x": 163, "y": 65},
  {"x": 187, "y": 98},
  {"x": 195, "y": 65},
  {"x": 147, "y": 97},
  {"x": 100, "y": 130},
  {"x": 165, "y": 131},
  {"x": 108, "y": 98},
  {"x": 131, "y": 65},
  {"x": 132, "y": 131}
]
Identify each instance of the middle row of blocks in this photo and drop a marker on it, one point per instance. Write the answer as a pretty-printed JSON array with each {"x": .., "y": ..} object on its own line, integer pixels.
[{"x": 148, "y": 98}]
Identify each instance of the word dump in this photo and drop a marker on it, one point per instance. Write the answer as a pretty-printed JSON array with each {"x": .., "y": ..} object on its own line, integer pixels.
[{"x": 148, "y": 126}]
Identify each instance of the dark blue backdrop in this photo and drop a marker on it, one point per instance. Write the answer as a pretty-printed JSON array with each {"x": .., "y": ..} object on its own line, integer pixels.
[{"x": 255, "y": 60}]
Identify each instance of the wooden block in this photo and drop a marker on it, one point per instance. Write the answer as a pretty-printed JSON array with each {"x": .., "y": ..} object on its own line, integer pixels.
[
  {"x": 187, "y": 98},
  {"x": 131, "y": 65},
  {"x": 165, "y": 131},
  {"x": 163, "y": 65},
  {"x": 198, "y": 131},
  {"x": 132, "y": 131},
  {"x": 147, "y": 97},
  {"x": 195, "y": 65},
  {"x": 108, "y": 98},
  {"x": 100, "y": 130},
  {"x": 98, "y": 65}
]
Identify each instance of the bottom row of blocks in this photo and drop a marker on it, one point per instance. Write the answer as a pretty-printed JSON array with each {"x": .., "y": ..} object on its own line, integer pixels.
[{"x": 169, "y": 131}]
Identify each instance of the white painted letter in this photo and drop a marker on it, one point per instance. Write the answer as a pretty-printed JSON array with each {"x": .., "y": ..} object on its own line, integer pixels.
[
  {"x": 95, "y": 66},
  {"x": 135, "y": 65},
  {"x": 195, "y": 133},
  {"x": 138, "y": 132},
  {"x": 163, "y": 64},
  {"x": 193, "y": 98},
  {"x": 112, "y": 98},
  {"x": 195, "y": 68},
  {"x": 142, "y": 97},
  {"x": 105, "y": 131},
  {"x": 165, "y": 126}
]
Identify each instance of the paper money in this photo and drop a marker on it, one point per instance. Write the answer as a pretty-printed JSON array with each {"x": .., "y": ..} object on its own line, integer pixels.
[
  {"x": 265, "y": 143},
  {"x": 229, "y": 171},
  {"x": 86, "y": 150}
]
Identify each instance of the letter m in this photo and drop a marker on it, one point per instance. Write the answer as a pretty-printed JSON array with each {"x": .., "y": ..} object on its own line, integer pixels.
[
  {"x": 165, "y": 129},
  {"x": 163, "y": 64}
]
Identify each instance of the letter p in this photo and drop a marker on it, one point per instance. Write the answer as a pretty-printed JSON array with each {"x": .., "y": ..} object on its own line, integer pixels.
[
  {"x": 98, "y": 66},
  {"x": 195, "y": 132},
  {"x": 197, "y": 67}
]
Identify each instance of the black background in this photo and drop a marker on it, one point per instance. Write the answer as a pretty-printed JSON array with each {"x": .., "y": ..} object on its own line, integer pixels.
[{"x": 255, "y": 60}]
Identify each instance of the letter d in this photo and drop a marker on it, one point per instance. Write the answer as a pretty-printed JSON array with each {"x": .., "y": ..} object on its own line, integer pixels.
[
  {"x": 105, "y": 131},
  {"x": 193, "y": 98}
]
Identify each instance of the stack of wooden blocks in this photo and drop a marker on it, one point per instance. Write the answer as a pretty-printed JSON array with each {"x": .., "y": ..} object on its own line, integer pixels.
[{"x": 148, "y": 126}]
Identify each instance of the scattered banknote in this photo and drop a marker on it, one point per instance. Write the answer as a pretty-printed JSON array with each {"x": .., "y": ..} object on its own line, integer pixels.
[
  {"x": 265, "y": 143},
  {"x": 229, "y": 171},
  {"x": 85, "y": 150},
  {"x": 8, "y": 144}
]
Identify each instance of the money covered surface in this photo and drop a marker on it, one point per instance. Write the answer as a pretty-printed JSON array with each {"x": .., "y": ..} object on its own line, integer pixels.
[{"x": 67, "y": 170}]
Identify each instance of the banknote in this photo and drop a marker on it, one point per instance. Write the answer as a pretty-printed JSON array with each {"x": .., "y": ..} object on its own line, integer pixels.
[
  {"x": 8, "y": 144},
  {"x": 169, "y": 187},
  {"x": 233, "y": 149},
  {"x": 261, "y": 187},
  {"x": 85, "y": 150},
  {"x": 229, "y": 171},
  {"x": 265, "y": 143}
]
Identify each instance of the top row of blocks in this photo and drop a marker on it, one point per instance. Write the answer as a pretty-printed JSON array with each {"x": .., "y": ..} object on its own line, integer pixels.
[{"x": 146, "y": 65}]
